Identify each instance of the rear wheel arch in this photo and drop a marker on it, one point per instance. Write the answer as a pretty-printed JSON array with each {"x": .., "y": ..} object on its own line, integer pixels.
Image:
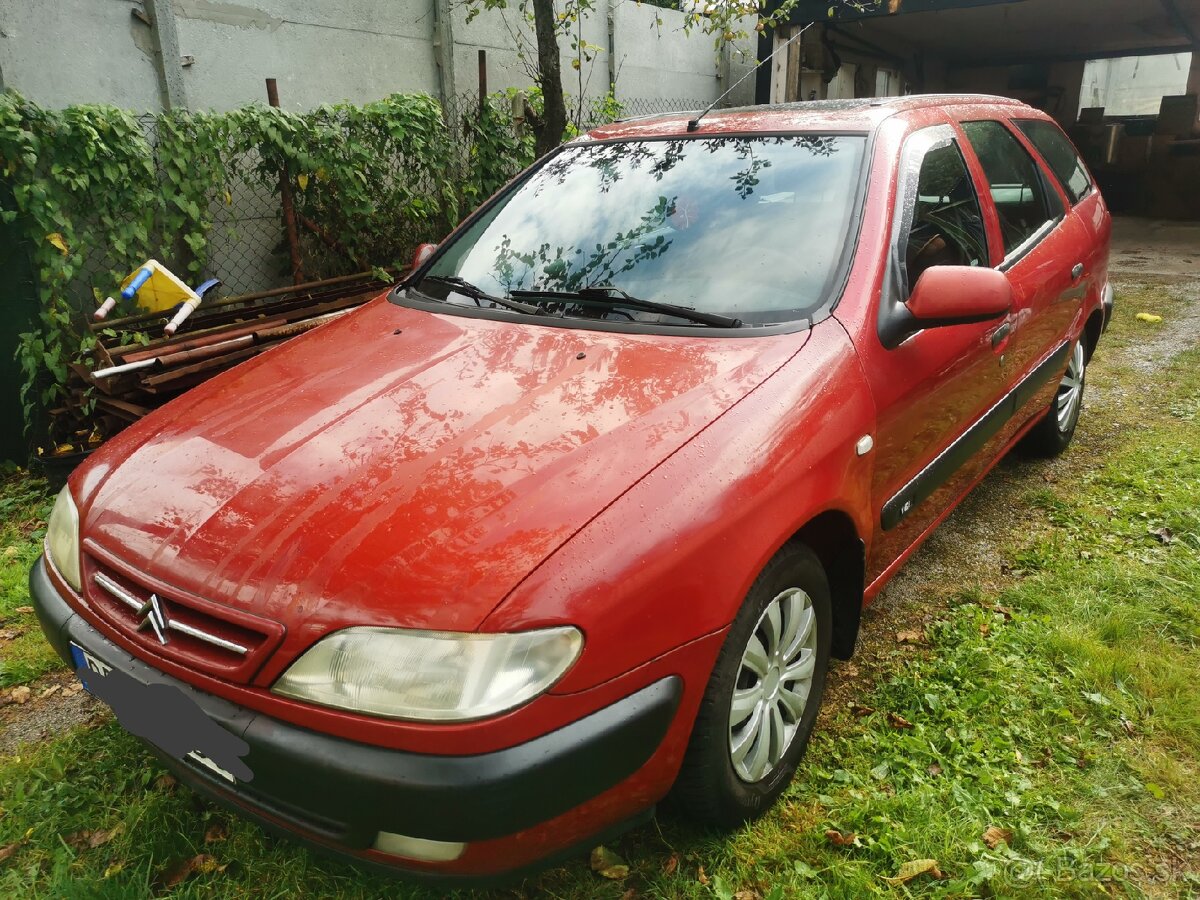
[
  {"x": 833, "y": 537},
  {"x": 1092, "y": 331}
]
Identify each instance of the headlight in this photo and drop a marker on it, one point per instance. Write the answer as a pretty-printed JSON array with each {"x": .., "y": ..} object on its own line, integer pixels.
[
  {"x": 430, "y": 675},
  {"x": 62, "y": 538}
]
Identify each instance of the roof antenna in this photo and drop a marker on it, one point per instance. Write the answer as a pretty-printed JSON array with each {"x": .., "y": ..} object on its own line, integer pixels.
[{"x": 694, "y": 124}]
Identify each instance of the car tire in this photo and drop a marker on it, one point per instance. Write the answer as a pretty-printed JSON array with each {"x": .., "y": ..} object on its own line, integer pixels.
[
  {"x": 713, "y": 787},
  {"x": 1052, "y": 435}
]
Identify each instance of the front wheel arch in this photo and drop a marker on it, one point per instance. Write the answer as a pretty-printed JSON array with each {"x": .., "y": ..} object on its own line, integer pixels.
[{"x": 833, "y": 537}]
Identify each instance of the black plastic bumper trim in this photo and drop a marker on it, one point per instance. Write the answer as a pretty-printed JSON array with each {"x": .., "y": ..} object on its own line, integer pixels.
[{"x": 346, "y": 792}]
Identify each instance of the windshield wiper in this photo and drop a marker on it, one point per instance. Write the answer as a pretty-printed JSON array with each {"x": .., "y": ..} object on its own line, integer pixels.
[
  {"x": 609, "y": 295},
  {"x": 465, "y": 287}
]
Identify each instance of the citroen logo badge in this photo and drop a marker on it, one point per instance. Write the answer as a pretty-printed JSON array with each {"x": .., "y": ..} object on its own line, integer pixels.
[{"x": 152, "y": 616}]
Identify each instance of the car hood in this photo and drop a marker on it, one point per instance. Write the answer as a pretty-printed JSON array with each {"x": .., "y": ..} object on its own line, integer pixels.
[{"x": 399, "y": 467}]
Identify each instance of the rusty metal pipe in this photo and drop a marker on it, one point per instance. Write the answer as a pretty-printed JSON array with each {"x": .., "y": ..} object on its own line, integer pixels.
[{"x": 241, "y": 298}]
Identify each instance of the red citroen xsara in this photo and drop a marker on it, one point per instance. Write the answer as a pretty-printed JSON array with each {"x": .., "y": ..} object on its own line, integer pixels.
[{"x": 576, "y": 515}]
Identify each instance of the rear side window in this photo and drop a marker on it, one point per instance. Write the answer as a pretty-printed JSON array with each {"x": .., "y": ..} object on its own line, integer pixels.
[
  {"x": 1060, "y": 155},
  {"x": 1022, "y": 200},
  {"x": 947, "y": 225}
]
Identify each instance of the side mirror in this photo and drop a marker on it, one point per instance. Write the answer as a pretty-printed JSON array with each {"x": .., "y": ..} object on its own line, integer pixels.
[
  {"x": 421, "y": 254},
  {"x": 959, "y": 295}
]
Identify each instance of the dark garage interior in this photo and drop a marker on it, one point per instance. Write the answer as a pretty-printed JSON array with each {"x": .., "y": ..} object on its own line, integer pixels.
[{"x": 1121, "y": 76}]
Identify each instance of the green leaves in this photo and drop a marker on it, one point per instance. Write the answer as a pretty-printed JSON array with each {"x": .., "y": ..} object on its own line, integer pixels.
[{"x": 369, "y": 183}]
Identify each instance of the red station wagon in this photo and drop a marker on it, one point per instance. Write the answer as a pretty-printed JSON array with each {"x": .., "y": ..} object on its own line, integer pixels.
[{"x": 576, "y": 515}]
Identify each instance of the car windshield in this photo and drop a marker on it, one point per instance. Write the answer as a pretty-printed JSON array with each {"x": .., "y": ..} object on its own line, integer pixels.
[{"x": 745, "y": 227}]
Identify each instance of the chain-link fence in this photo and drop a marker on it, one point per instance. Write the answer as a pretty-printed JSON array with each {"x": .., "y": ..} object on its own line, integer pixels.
[{"x": 248, "y": 246}]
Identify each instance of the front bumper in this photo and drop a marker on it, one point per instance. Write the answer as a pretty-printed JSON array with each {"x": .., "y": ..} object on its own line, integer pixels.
[{"x": 340, "y": 794}]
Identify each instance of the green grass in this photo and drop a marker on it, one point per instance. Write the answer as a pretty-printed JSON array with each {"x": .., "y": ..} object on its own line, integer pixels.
[
  {"x": 1061, "y": 705},
  {"x": 24, "y": 506}
]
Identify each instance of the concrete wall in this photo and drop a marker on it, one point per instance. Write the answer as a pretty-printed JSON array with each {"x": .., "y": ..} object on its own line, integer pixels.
[
  {"x": 320, "y": 52},
  {"x": 60, "y": 52},
  {"x": 653, "y": 60}
]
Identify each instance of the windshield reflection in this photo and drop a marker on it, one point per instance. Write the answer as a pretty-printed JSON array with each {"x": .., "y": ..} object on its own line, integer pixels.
[{"x": 741, "y": 226}]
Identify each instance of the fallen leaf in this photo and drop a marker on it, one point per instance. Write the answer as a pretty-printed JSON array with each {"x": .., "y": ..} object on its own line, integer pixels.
[
  {"x": 701, "y": 877},
  {"x": 747, "y": 894},
  {"x": 165, "y": 782},
  {"x": 860, "y": 710},
  {"x": 1004, "y": 611},
  {"x": 1148, "y": 317},
  {"x": 216, "y": 832},
  {"x": 90, "y": 840},
  {"x": 913, "y": 868},
  {"x": 838, "y": 839},
  {"x": 910, "y": 637},
  {"x": 934, "y": 770},
  {"x": 74, "y": 688},
  {"x": 1018, "y": 755},
  {"x": 994, "y": 837},
  {"x": 985, "y": 629},
  {"x": 302, "y": 180},
  {"x": 200, "y": 864},
  {"x": 11, "y": 634},
  {"x": 629, "y": 894},
  {"x": 1127, "y": 725},
  {"x": 671, "y": 864},
  {"x": 11, "y": 550},
  {"x": 23, "y": 609},
  {"x": 50, "y": 691},
  {"x": 58, "y": 242},
  {"x": 20, "y": 694},
  {"x": 9, "y": 850},
  {"x": 898, "y": 721},
  {"x": 608, "y": 864},
  {"x": 1165, "y": 535},
  {"x": 115, "y": 869}
]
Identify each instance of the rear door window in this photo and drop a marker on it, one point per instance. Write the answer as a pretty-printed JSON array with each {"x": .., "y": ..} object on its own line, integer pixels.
[
  {"x": 1060, "y": 155},
  {"x": 1024, "y": 202}
]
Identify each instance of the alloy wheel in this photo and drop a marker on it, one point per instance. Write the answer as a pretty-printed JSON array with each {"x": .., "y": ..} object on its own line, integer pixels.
[
  {"x": 773, "y": 685},
  {"x": 1070, "y": 390}
]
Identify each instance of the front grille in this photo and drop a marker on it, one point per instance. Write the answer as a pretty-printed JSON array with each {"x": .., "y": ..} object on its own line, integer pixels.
[{"x": 170, "y": 623}]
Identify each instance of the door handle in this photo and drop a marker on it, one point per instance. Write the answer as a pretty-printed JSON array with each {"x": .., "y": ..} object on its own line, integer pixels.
[
  {"x": 1077, "y": 272},
  {"x": 1000, "y": 334}
]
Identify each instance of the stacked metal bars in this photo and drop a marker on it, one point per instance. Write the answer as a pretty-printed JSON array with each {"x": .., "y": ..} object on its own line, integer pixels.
[{"x": 217, "y": 337}]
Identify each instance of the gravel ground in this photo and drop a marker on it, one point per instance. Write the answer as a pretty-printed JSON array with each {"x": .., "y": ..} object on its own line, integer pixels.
[
  {"x": 1183, "y": 332},
  {"x": 57, "y": 703}
]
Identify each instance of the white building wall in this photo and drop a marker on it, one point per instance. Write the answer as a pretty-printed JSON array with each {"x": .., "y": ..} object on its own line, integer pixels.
[
  {"x": 62, "y": 52},
  {"x": 1133, "y": 85}
]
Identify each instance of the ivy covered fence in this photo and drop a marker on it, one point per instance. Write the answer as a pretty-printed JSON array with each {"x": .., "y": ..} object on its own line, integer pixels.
[{"x": 95, "y": 191}]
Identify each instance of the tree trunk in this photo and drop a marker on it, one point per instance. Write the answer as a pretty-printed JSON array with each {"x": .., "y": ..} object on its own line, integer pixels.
[{"x": 554, "y": 117}]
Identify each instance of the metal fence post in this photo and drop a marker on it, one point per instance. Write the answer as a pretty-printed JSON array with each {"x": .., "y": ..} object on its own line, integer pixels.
[
  {"x": 483, "y": 90},
  {"x": 285, "y": 198}
]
